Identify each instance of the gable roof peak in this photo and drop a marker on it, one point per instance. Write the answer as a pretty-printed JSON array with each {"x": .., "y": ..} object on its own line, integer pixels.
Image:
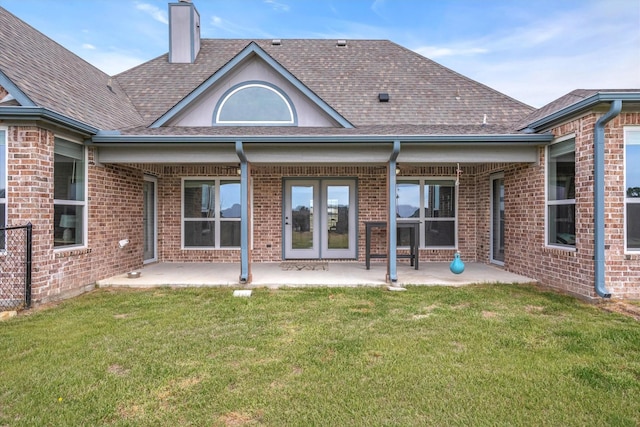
[{"x": 348, "y": 79}]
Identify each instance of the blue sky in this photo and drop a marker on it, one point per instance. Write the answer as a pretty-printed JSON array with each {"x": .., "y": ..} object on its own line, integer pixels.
[{"x": 532, "y": 50}]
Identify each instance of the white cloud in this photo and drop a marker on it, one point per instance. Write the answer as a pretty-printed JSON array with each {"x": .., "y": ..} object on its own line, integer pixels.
[
  {"x": 156, "y": 13},
  {"x": 434, "y": 52},
  {"x": 592, "y": 47},
  {"x": 279, "y": 7},
  {"x": 377, "y": 6},
  {"x": 113, "y": 62},
  {"x": 88, "y": 46},
  {"x": 235, "y": 29}
]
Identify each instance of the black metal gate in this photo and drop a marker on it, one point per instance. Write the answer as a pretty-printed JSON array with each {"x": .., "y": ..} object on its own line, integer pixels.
[{"x": 15, "y": 267}]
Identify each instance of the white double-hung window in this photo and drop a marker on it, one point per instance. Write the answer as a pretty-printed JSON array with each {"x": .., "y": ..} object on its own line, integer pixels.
[
  {"x": 211, "y": 211},
  {"x": 632, "y": 188}
]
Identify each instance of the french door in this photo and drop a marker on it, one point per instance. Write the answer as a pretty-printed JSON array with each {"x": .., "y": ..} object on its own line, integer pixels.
[
  {"x": 497, "y": 219},
  {"x": 149, "y": 218},
  {"x": 320, "y": 219}
]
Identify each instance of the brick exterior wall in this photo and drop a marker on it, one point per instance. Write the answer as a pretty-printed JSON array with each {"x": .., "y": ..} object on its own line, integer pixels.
[
  {"x": 115, "y": 211},
  {"x": 115, "y": 206},
  {"x": 622, "y": 271},
  {"x": 170, "y": 220},
  {"x": 525, "y": 251},
  {"x": 267, "y": 208}
]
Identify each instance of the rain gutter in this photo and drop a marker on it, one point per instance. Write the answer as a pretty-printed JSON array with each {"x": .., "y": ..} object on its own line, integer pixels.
[
  {"x": 109, "y": 137},
  {"x": 579, "y": 107},
  {"x": 44, "y": 114}
]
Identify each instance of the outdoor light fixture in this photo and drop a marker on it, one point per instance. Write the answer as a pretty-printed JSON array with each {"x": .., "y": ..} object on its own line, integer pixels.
[{"x": 122, "y": 243}]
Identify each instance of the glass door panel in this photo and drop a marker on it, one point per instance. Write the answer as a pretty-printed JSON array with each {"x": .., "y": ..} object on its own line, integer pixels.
[
  {"x": 301, "y": 228},
  {"x": 337, "y": 216},
  {"x": 302, "y": 217},
  {"x": 497, "y": 219},
  {"x": 149, "y": 219},
  {"x": 338, "y": 208},
  {"x": 320, "y": 219}
]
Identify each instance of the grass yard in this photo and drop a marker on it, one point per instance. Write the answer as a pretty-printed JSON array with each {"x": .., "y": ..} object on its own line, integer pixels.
[{"x": 437, "y": 356}]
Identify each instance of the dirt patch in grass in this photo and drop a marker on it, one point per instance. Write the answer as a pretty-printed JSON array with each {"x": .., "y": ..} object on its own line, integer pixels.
[
  {"x": 118, "y": 370},
  {"x": 489, "y": 314},
  {"x": 363, "y": 307},
  {"x": 534, "y": 309},
  {"x": 130, "y": 411},
  {"x": 628, "y": 309},
  {"x": 233, "y": 419}
]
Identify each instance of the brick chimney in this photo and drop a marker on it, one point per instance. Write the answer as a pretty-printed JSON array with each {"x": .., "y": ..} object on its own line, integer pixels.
[{"x": 184, "y": 32}]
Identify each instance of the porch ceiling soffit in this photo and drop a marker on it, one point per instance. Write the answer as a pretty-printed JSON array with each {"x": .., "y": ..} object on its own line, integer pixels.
[
  {"x": 252, "y": 49},
  {"x": 319, "y": 149}
]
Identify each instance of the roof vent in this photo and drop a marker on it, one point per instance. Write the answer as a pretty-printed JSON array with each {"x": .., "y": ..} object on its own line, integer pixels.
[
  {"x": 341, "y": 43},
  {"x": 383, "y": 97},
  {"x": 276, "y": 42}
]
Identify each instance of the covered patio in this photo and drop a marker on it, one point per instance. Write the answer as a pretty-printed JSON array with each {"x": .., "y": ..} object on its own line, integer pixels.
[{"x": 337, "y": 274}]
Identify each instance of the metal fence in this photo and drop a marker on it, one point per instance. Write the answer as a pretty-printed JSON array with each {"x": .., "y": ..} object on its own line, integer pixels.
[{"x": 15, "y": 267}]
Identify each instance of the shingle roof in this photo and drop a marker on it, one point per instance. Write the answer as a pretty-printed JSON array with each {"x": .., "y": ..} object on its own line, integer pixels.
[
  {"x": 384, "y": 130},
  {"x": 424, "y": 96},
  {"x": 348, "y": 78},
  {"x": 55, "y": 78},
  {"x": 571, "y": 98}
]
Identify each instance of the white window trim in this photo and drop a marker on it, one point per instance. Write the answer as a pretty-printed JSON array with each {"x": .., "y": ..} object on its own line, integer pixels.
[
  {"x": 627, "y": 130},
  {"x": 423, "y": 219},
  {"x": 255, "y": 122},
  {"x": 84, "y": 203},
  {"x": 548, "y": 202},
  {"x": 216, "y": 220}
]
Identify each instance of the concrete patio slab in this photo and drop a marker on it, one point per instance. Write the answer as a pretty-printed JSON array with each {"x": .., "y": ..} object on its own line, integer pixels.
[{"x": 337, "y": 274}]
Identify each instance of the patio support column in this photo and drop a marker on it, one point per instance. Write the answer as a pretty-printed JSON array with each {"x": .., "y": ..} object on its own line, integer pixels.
[
  {"x": 392, "y": 237},
  {"x": 245, "y": 267}
]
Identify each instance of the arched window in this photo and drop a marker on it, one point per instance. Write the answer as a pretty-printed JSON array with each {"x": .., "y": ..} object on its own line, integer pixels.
[{"x": 254, "y": 103}]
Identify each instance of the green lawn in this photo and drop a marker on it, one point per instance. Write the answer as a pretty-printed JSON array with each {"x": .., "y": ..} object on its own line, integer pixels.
[{"x": 437, "y": 356}]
